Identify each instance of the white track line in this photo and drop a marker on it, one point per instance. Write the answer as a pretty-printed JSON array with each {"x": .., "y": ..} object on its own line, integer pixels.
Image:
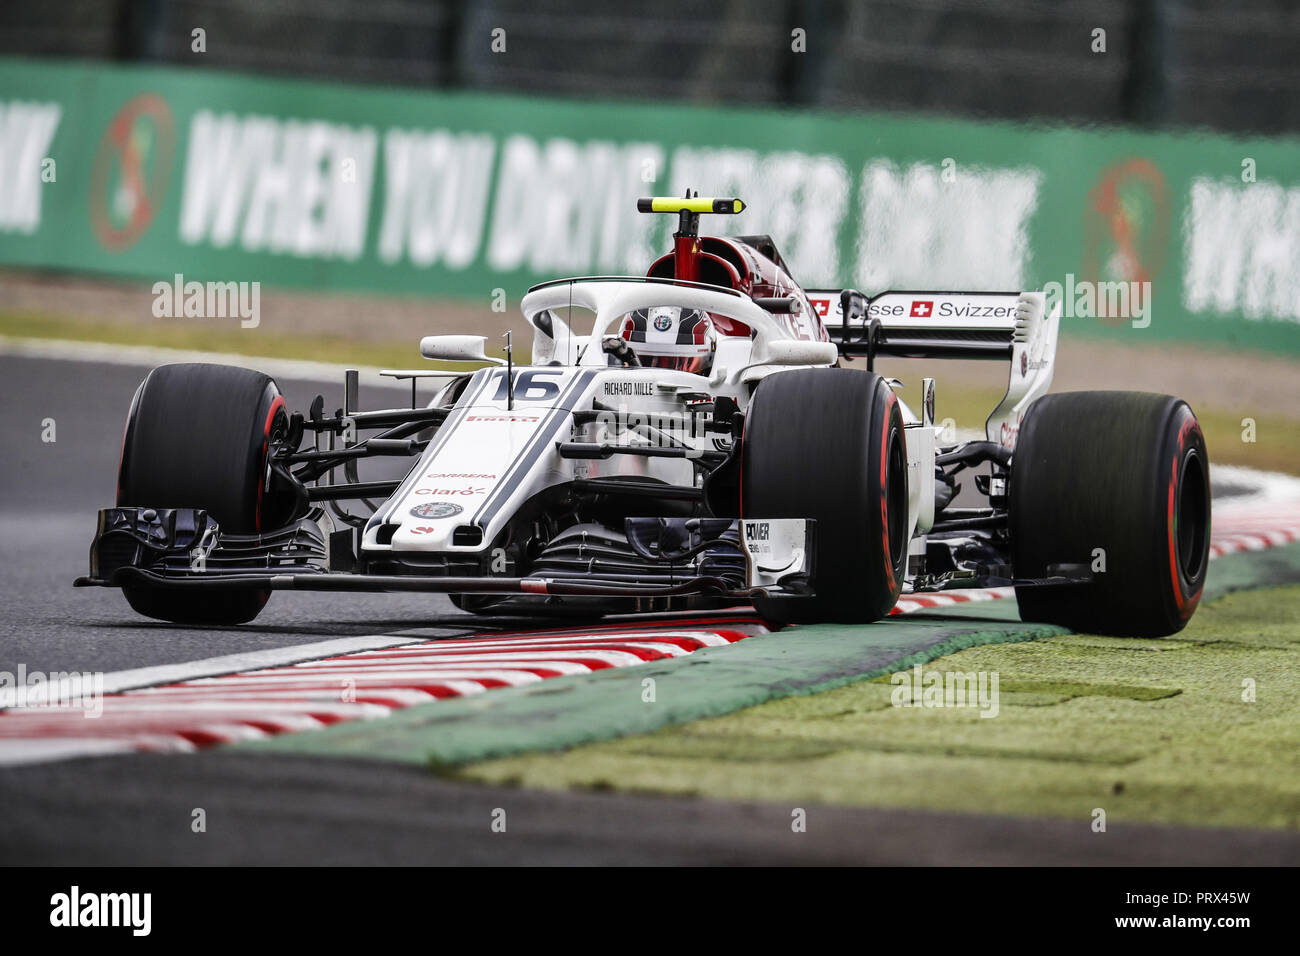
[
  {"x": 118, "y": 681},
  {"x": 148, "y": 356},
  {"x": 288, "y": 690}
]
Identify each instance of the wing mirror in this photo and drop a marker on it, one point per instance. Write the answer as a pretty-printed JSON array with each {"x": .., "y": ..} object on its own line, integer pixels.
[
  {"x": 457, "y": 348},
  {"x": 798, "y": 352},
  {"x": 789, "y": 352}
]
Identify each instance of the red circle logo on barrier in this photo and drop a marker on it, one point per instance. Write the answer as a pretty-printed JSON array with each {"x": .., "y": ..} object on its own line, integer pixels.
[
  {"x": 1126, "y": 227},
  {"x": 132, "y": 169}
]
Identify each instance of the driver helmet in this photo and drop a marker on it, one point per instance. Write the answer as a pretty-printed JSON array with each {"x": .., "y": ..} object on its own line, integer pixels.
[{"x": 670, "y": 337}]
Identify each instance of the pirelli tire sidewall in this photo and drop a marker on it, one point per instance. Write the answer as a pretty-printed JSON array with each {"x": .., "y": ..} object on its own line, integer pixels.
[
  {"x": 198, "y": 436},
  {"x": 1117, "y": 482},
  {"x": 829, "y": 445}
]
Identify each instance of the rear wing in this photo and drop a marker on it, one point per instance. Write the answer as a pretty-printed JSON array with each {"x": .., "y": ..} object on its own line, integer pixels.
[
  {"x": 973, "y": 325},
  {"x": 1012, "y": 326}
]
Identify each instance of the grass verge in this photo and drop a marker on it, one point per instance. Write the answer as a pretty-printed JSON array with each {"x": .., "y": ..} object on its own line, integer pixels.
[{"x": 1147, "y": 730}]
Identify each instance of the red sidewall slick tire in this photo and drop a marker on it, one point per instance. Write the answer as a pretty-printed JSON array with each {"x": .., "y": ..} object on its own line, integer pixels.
[
  {"x": 197, "y": 436},
  {"x": 829, "y": 445},
  {"x": 1113, "y": 480}
]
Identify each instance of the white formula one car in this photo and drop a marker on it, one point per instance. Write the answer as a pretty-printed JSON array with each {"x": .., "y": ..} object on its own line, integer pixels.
[{"x": 693, "y": 438}]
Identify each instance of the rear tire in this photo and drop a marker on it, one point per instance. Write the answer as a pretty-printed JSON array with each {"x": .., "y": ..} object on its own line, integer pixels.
[
  {"x": 1124, "y": 472},
  {"x": 197, "y": 437},
  {"x": 828, "y": 444}
]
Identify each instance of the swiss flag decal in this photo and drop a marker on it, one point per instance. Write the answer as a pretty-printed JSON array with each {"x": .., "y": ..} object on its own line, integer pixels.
[
  {"x": 822, "y": 307},
  {"x": 922, "y": 308}
]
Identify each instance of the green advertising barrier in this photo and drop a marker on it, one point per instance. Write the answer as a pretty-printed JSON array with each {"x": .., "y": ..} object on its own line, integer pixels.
[{"x": 152, "y": 172}]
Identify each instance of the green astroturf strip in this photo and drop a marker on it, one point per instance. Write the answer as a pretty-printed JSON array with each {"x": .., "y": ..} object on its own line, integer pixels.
[
  {"x": 1146, "y": 730},
  {"x": 567, "y": 711}
]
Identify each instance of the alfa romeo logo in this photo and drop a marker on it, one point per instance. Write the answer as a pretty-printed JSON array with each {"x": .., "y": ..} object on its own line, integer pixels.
[
  {"x": 133, "y": 166},
  {"x": 663, "y": 323},
  {"x": 1126, "y": 225},
  {"x": 436, "y": 509}
]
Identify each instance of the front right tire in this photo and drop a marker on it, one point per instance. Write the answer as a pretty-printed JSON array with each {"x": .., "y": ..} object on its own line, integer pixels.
[
  {"x": 828, "y": 444},
  {"x": 198, "y": 436}
]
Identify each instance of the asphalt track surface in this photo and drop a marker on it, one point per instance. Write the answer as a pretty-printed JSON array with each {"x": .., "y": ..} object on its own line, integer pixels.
[
  {"x": 308, "y": 810},
  {"x": 49, "y": 496}
]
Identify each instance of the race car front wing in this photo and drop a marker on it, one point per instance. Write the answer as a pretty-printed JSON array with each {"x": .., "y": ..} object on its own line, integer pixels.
[{"x": 185, "y": 548}]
